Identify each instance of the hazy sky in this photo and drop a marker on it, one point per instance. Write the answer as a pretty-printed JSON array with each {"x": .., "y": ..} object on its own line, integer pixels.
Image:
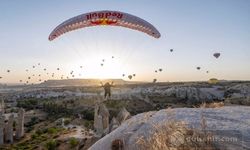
[{"x": 195, "y": 29}]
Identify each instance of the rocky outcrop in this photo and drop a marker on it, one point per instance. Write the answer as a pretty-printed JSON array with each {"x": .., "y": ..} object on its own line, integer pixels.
[
  {"x": 114, "y": 124},
  {"x": 1, "y": 129},
  {"x": 101, "y": 119},
  {"x": 230, "y": 123},
  {"x": 9, "y": 129},
  {"x": 20, "y": 124},
  {"x": 123, "y": 115}
]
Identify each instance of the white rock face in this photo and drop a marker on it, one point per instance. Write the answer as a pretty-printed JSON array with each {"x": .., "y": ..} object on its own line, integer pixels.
[
  {"x": 1, "y": 129},
  {"x": 123, "y": 115},
  {"x": 240, "y": 90},
  {"x": 9, "y": 129},
  {"x": 101, "y": 119},
  {"x": 231, "y": 122},
  {"x": 20, "y": 124}
]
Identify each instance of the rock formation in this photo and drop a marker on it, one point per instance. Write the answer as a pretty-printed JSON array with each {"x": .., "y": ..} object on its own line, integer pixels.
[
  {"x": 20, "y": 124},
  {"x": 101, "y": 119},
  {"x": 226, "y": 122},
  {"x": 9, "y": 129},
  {"x": 123, "y": 115},
  {"x": 1, "y": 129},
  {"x": 114, "y": 124},
  {"x": 2, "y": 107}
]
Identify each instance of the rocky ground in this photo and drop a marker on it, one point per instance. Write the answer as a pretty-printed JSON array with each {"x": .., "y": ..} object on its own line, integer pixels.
[{"x": 229, "y": 126}]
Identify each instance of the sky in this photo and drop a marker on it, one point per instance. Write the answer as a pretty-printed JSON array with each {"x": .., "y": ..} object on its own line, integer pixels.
[{"x": 195, "y": 29}]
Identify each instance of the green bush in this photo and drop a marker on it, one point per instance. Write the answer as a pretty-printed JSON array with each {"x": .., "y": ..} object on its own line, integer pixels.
[
  {"x": 88, "y": 114},
  {"x": 66, "y": 121},
  {"x": 73, "y": 142},
  {"x": 52, "y": 130},
  {"x": 51, "y": 145}
]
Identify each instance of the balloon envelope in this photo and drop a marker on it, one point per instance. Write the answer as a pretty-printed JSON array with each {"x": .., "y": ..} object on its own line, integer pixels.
[{"x": 216, "y": 55}]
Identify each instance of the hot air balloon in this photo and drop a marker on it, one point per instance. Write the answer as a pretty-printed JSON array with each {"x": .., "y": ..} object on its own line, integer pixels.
[
  {"x": 160, "y": 70},
  {"x": 130, "y": 77},
  {"x": 207, "y": 72},
  {"x": 171, "y": 50},
  {"x": 33, "y": 66},
  {"x": 123, "y": 75},
  {"x": 58, "y": 69},
  {"x": 1, "y": 77},
  {"x": 20, "y": 80},
  {"x": 154, "y": 80},
  {"x": 40, "y": 80},
  {"x": 101, "y": 64},
  {"x": 44, "y": 69},
  {"x": 103, "y": 60},
  {"x": 198, "y": 68},
  {"x": 26, "y": 70},
  {"x": 134, "y": 75},
  {"x": 107, "y": 18},
  {"x": 156, "y": 71},
  {"x": 29, "y": 78},
  {"x": 216, "y": 55},
  {"x": 80, "y": 66},
  {"x": 213, "y": 81},
  {"x": 8, "y": 71},
  {"x": 113, "y": 57}
]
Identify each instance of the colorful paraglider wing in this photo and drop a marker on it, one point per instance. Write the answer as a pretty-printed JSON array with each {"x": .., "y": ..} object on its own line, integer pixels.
[{"x": 111, "y": 18}]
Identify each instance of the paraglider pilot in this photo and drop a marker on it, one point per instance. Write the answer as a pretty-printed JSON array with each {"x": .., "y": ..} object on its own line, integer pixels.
[{"x": 107, "y": 89}]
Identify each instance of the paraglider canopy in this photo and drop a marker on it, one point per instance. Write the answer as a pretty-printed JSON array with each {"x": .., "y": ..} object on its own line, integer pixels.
[{"x": 107, "y": 18}]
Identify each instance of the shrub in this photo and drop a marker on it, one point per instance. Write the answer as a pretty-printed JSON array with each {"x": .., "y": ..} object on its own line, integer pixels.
[
  {"x": 52, "y": 130},
  {"x": 51, "y": 145},
  {"x": 66, "y": 121},
  {"x": 73, "y": 142}
]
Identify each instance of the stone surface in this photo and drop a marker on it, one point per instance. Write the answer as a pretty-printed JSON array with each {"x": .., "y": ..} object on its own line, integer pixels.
[
  {"x": 123, "y": 115},
  {"x": 20, "y": 124},
  {"x": 114, "y": 124},
  {"x": 101, "y": 119},
  {"x": 229, "y": 121},
  {"x": 1, "y": 129},
  {"x": 9, "y": 130}
]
